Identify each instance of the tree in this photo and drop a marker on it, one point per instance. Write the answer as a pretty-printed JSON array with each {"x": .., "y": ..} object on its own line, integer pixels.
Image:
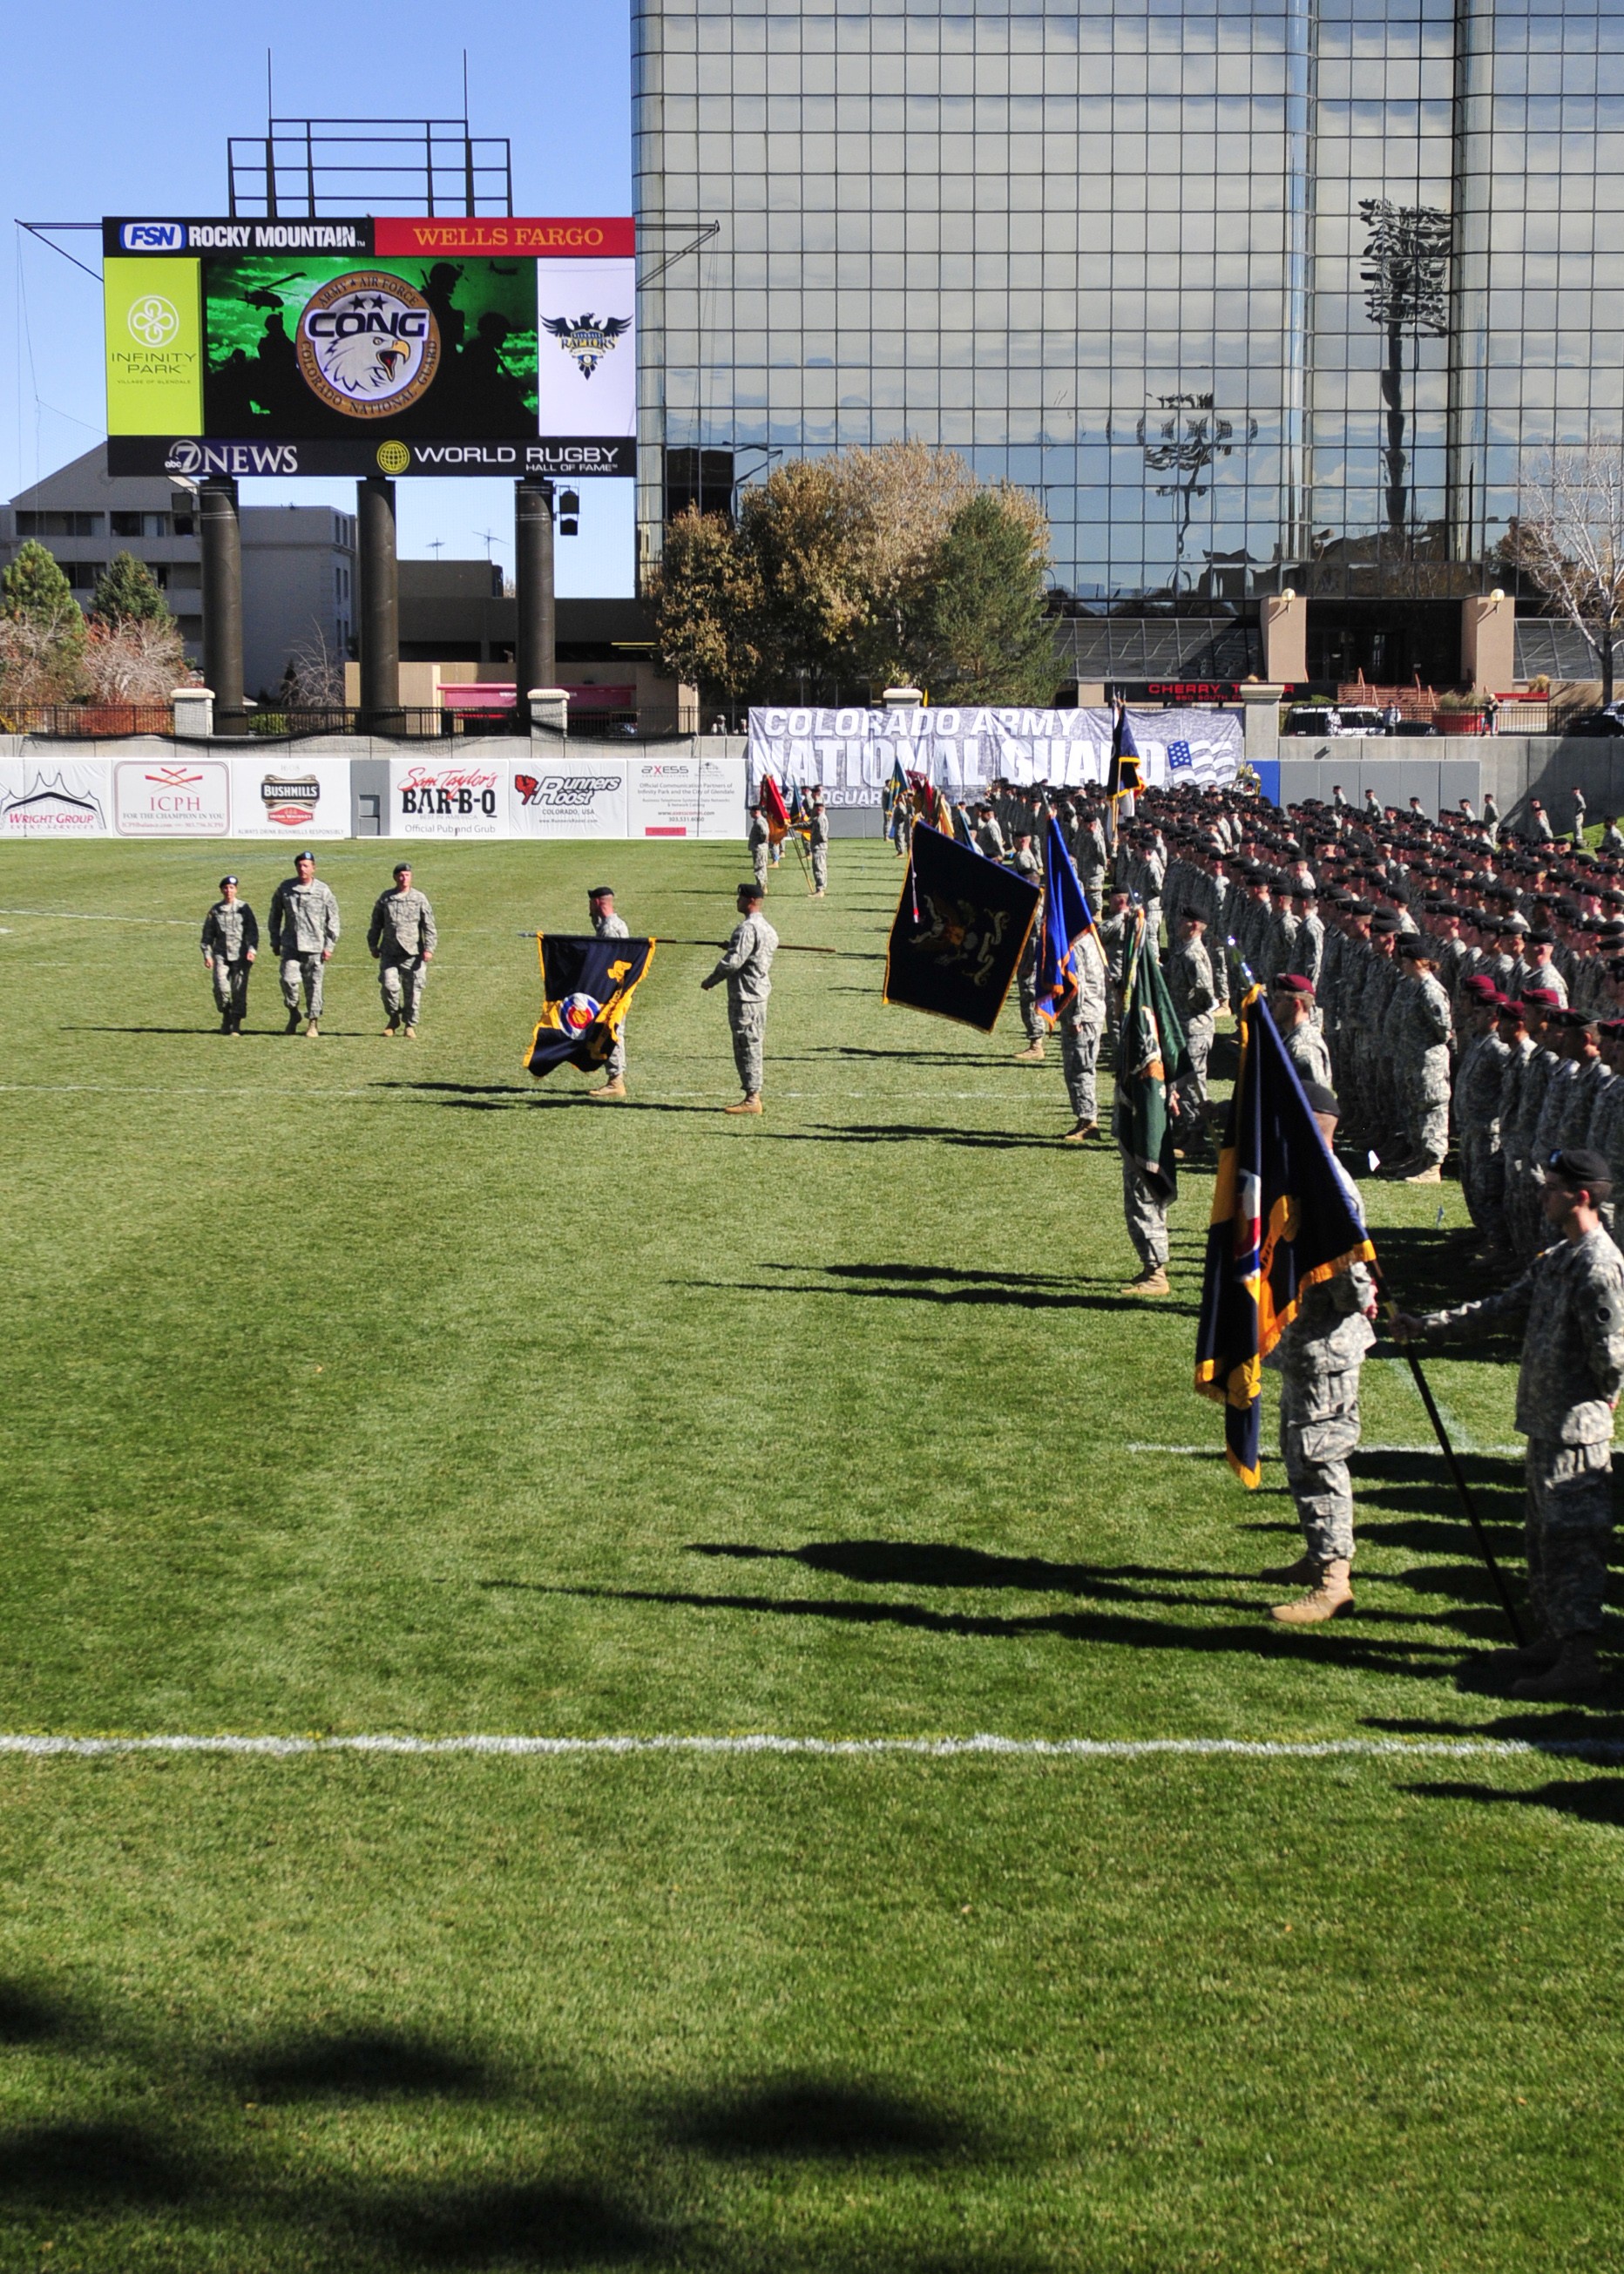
[
  {"x": 1569, "y": 540},
  {"x": 1408, "y": 292},
  {"x": 41, "y": 631},
  {"x": 133, "y": 659},
  {"x": 128, "y": 592},
  {"x": 822, "y": 581},
  {"x": 979, "y": 630},
  {"x": 707, "y": 600}
]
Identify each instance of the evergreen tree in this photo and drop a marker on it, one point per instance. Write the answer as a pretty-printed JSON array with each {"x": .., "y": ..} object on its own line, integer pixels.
[
  {"x": 978, "y": 627},
  {"x": 128, "y": 592},
  {"x": 41, "y": 631}
]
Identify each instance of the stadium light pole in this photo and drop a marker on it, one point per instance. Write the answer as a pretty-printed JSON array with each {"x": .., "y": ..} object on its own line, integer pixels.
[
  {"x": 535, "y": 652},
  {"x": 220, "y": 537},
  {"x": 380, "y": 606}
]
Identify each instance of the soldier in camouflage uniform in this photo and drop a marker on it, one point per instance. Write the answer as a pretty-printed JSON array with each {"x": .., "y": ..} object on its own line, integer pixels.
[
  {"x": 230, "y": 943},
  {"x": 817, "y": 838},
  {"x": 1318, "y": 1359},
  {"x": 1194, "y": 987},
  {"x": 1478, "y": 1082},
  {"x": 1572, "y": 1372},
  {"x": 607, "y": 925},
  {"x": 304, "y": 934},
  {"x": 758, "y": 844},
  {"x": 1419, "y": 1032},
  {"x": 745, "y": 963},
  {"x": 402, "y": 937},
  {"x": 1082, "y": 1023},
  {"x": 1291, "y": 1001}
]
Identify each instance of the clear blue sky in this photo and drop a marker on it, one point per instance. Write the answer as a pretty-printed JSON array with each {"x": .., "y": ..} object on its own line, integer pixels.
[{"x": 115, "y": 110}]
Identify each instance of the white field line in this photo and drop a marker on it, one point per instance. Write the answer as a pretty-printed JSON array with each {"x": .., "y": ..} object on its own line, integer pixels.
[
  {"x": 1107, "y": 1748},
  {"x": 1215, "y": 1452}
]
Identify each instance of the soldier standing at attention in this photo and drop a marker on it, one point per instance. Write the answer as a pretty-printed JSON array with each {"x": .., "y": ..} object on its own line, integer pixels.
[
  {"x": 1194, "y": 990},
  {"x": 1568, "y": 1388},
  {"x": 745, "y": 964},
  {"x": 1318, "y": 1359},
  {"x": 1419, "y": 1031},
  {"x": 304, "y": 934},
  {"x": 608, "y": 925},
  {"x": 230, "y": 943},
  {"x": 817, "y": 838},
  {"x": 1292, "y": 1000},
  {"x": 1082, "y": 1023},
  {"x": 402, "y": 937},
  {"x": 759, "y": 842}
]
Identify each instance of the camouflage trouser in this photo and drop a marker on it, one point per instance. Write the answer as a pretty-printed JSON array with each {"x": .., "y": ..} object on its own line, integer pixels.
[
  {"x": 1026, "y": 988},
  {"x": 312, "y": 971},
  {"x": 401, "y": 985},
  {"x": 1080, "y": 1052},
  {"x": 1144, "y": 1210},
  {"x": 1192, "y": 1085},
  {"x": 1482, "y": 1182},
  {"x": 230, "y": 983},
  {"x": 820, "y": 867},
  {"x": 758, "y": 862},
  {"x": 1315, "y": 1446},
  {"x": 1567, "y": 1526},
  {"x": 749, "y": 1021},
  {"x": 614, "y": 1065},
  {"x": 1525, "y": 1206},
  {"x": 1426, "y": 1125}
]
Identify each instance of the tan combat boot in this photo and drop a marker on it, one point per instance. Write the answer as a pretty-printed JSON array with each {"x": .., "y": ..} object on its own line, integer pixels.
[
  {"x": 608, "y": 1094},
  {"x": 1150, "y": 1282},
  {"x": 1330, "y": 1595},
  {"x": 1033, "y": 1055},
  {"x": 1081, "y": 1133},
  {"x": 1431, "y": 1175},
  {"x": 410, "y": 1034},
  {"x": 313, "y": 1031},
  {"x": 1575, "y": 1677},
  {"x": 750, "y": 1105}
]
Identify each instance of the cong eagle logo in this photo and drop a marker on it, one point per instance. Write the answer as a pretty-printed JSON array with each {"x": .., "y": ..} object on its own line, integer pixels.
[
  {"x": 585, "y": 338},
  {"x": 368, "y": 344}
]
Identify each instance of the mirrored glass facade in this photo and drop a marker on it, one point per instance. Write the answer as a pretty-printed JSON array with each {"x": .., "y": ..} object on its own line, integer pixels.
[{"x": 1252, "y": 296}]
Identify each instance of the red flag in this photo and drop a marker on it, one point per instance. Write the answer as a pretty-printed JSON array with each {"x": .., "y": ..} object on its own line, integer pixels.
[{"x": 774, "y": 808}]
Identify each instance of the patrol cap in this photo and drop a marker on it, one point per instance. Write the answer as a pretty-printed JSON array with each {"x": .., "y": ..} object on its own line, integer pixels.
[
  {"x": 1321, "y": 1100},
  {"x": 224, "y": 881},
  {"x": 1580, "y": 1169},
  {"x": 1294, "y": 983}
]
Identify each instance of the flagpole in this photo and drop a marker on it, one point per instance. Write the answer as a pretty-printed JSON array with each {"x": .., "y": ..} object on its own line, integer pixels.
[{"x": 1458, "y": 1475}]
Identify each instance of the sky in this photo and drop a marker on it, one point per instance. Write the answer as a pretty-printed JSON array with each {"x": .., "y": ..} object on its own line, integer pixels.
[{"x": 111, "y": 112}]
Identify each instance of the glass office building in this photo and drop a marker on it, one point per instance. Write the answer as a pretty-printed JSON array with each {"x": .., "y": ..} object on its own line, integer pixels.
[{"x": 1252, "y": 296}]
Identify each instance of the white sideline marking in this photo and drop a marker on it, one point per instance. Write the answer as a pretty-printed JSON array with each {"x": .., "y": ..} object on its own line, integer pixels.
[
  {"x": 1215, "y": 1452},
  {"x": 1111, "y": 1749}
]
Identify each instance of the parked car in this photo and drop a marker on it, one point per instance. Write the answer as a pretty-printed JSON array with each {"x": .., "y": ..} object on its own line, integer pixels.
[
  {"x": 1337, "y": 719},
  {"x": 1607, "y": 723}
]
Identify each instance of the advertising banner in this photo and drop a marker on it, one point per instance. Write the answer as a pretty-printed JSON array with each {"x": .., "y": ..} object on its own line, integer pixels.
[
  {"x": 567, "y": 797},
  {"x": 684, "y": 796},
  {"x": 464, "y": 800},
  {"x": 55, "y": 797},
  {"x": 397, "y": 347},
  {"x": 160, "y": 798},
  {"x": 852, "y": 751},
  {"x": 286, "y": 796}
]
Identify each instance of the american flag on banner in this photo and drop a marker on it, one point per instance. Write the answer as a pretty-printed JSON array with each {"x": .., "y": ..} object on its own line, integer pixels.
[{"x": 1180, "y": 757}]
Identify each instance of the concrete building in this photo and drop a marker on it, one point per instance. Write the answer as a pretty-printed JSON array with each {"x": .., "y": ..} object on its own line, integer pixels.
[{"x": 299, "y": 561}]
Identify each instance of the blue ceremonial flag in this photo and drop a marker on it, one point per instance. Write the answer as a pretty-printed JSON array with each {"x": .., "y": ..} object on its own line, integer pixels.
[
  {"x": 1284, "y": 1216},
  {"x": 895, "y": 788},
  {"x": 961, "y": 828},
  {"x": 587, "y": 984},
  {"x": 1123, "y": 779},
  {"x": 1067, "y": 921}
]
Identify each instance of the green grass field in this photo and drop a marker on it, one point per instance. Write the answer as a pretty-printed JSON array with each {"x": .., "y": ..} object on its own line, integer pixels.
[{"x": 360, "y": 1387}]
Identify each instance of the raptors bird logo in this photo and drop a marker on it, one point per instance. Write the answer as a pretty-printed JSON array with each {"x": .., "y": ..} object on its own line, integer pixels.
[{"x": 585, "y": 338}]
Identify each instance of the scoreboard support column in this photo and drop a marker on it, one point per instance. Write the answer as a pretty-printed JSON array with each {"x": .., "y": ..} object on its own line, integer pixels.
[
  {"x": 220, "y": 535},
  {"x": 534, "y": 655},
  {"x": 381, "y": 606}
]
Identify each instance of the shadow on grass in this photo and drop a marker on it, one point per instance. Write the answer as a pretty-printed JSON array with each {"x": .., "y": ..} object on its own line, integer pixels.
[
  {"x": 104, "y": 2167},
  {"x": 1348, "y": 1642},
  {"x": 27, "y": 2017},
  {"x": 811, "y": 2119},
  {"x": 377, "y": 2064},
  {"x": 967, "y": 1287},
  {"x": 1593, "y": 1800}
]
